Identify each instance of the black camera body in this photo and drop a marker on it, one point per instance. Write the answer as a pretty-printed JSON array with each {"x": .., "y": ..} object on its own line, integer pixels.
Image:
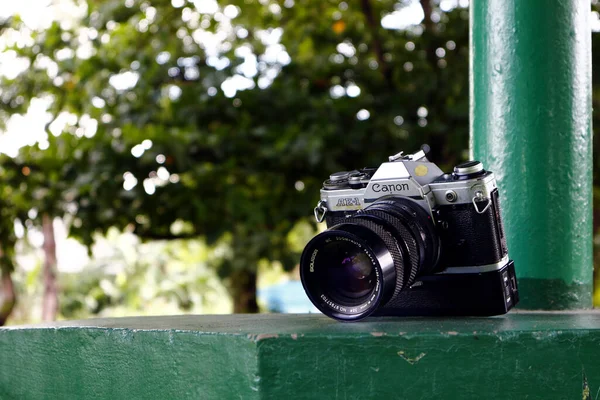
[{"x": 408, "y": 239}]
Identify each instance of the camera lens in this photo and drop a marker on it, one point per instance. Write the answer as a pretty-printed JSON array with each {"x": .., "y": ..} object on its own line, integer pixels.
[
  {"x": 360, "y": 265},
  {"x": 345, "y": 269}
]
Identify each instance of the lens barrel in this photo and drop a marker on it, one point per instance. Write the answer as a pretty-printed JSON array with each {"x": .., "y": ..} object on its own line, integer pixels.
[{"x": 356, "y": 267}]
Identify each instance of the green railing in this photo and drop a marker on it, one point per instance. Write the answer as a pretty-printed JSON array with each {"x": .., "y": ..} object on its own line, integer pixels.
[{"x": 517, "y": 356}]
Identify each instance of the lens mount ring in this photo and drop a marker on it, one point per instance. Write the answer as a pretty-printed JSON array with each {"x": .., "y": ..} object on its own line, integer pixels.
[
  {"x": 418, "y": 221},
  {"x": 313, "y": 271}
]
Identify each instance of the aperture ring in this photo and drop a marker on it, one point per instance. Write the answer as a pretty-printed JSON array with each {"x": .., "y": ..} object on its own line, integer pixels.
[{"x": 405, "y": 240}]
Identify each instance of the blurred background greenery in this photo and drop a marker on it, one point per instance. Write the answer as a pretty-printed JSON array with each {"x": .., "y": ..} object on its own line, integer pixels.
[{"x": 164, "y": 156}]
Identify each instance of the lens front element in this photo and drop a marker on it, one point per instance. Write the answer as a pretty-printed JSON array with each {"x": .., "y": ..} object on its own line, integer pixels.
[{"x": 349, "y": 275}]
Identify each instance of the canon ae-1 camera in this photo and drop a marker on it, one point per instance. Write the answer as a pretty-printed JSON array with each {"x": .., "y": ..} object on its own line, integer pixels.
[{"x": 409, "y": 239}]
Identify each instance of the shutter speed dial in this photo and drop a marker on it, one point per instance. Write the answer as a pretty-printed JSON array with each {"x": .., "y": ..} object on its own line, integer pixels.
[{"x": 468, "y": 169}]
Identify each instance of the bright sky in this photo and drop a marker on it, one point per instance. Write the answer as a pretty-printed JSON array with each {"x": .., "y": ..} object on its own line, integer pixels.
[
  {"x": 28, "y": 129},
  {"x": 39, "y": 14}
]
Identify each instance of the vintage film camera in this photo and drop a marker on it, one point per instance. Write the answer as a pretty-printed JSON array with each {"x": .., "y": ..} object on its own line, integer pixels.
[{"x": 408, "y": 239}]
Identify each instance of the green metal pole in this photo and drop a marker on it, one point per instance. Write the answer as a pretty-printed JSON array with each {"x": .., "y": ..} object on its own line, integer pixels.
[{"x": 530, "y": 120}]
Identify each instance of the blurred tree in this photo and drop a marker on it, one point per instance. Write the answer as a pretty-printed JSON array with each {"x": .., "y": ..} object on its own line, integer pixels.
[{"x": 185, "y": 119}]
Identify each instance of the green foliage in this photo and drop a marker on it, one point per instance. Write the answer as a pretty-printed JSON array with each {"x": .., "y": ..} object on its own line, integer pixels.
[
  {"x": 128, "y": 277},
  {"x": 246, "y": 166},
  {"x": 141, "y": 278}
]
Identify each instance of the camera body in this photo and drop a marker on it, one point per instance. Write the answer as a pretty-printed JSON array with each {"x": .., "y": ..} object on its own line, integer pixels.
[{"x": 442, "y": 233}]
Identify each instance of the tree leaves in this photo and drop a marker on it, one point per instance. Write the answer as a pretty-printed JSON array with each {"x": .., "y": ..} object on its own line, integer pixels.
[{"x": 160, "y": 137}]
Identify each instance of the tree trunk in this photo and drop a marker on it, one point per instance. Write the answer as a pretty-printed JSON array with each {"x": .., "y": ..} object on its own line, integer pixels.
[
  {"x": 50, "y": 301},
  {"x": 374, "y": 24},
  {"x": 426, "y": 4},
  {"x": 8, "y": 297},
  {"x": 243, "y": 291}
]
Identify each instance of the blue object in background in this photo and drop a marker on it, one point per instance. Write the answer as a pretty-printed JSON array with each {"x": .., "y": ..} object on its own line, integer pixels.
[{"x": 287, "y": 297}]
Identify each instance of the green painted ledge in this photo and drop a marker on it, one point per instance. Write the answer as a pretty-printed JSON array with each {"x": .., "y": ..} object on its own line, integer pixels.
[{"x": 517, "y": 356}]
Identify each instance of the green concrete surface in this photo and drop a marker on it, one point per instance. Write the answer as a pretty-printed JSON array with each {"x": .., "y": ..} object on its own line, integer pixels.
[
  {"x": 530, "y": 120},
  {"x": 521, "y": 355}
]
